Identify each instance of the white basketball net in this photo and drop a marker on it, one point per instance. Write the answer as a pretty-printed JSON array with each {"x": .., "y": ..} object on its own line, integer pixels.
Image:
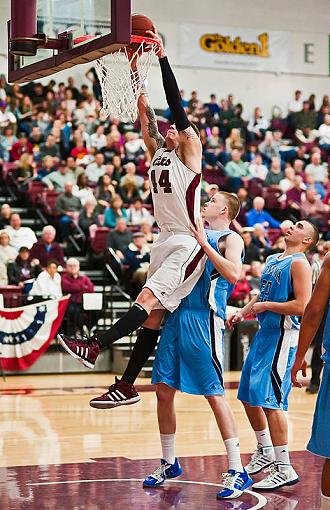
[{"x": 120, "y": 84}]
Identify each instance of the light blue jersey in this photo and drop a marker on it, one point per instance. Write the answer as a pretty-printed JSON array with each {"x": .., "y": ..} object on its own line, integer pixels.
[
  {"x": 212, "y": 290},
  {"x": 326, "y": 338},
  {"x": 276, "y": 286},
  {"x": 190, "y": 352}
]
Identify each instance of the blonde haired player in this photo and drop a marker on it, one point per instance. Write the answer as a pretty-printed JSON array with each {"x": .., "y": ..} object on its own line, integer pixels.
[{"x": 177, "y": 260}]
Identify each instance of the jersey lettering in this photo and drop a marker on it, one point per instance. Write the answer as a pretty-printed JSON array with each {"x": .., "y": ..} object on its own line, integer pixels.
[{"x": 162, "y": 161}]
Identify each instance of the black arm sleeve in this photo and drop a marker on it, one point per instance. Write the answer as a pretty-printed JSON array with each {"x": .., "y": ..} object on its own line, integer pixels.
[{"x": 173, "y": 95}]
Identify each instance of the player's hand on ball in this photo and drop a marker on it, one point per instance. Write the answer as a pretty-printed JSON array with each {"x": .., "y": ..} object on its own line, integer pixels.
[
  {"x": 298, "y": 365},
  {"x": 261, "y": 306},
  {"x": 154, "y": 35},
  {"x": 199, "y": 232}
]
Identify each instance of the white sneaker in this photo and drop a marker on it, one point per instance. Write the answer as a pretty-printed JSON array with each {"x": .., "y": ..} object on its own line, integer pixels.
[
  {"x": 262, "y": 458},
  {"x": 279, "y": 476}
]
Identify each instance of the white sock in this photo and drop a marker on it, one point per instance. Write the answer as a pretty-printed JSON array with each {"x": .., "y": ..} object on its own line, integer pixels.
[
  {"x": 233, "y": 453},
  {"x": 325, "y": 502},
  {"x": 167, "y": 442},
  {"x": 263, "y": 437},
  {"x": 282, "y": 454}
]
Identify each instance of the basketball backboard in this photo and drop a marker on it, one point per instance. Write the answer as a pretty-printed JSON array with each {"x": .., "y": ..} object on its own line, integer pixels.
[{"x": 47, "y": 36}]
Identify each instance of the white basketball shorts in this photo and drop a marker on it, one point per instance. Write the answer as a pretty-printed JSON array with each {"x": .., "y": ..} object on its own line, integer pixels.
[{"x": 176, "y": 263}]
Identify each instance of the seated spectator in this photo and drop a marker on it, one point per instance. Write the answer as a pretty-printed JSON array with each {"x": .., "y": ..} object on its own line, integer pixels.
[
  {"x": 117, "y": 168},
  {"x": 212, "y": 106},
  {"x": 130, "y": 169},
  {"x": 137, "y": 258},
  {"x": 20, "y": 236},
  {"x": 136, "y": 213},
  {"x": 25, "y": 171},
  {"x": 7, "y": 253},
  {"x": 72, "y": 165},
  {"x": 7, "y": 141},
  {"x": 246, "y": 205},
  {"x": 75, "y": 284},
  {"x": 36, "y": 138},
  {"x": 5, "y": 214},
  {"x": 257, "y": 169},
  {"x": 318, "y": 171},
  {"x": 305, "y": 122},
  {"x": 98, "y": 139},
  {"x": 255, "y": 276},
  {"x": 237, "y": 171},
  {"x": 46, "y": 169},
  {"x": 57, "y": 180},
  {"x": 115, "y": 211},
  {"x": 134, "y": 146},
  {"x": 145, "y": 192},
  {"x": 104, "y": 193},
  {"x": 119, "y": 238},
  {"x": 68, "y": 206},
  {"x": 268, "y": 148},
  {"x": 88, "y": 217},
  {"x": 146, "y": 228},
  {"x": 23, "y": 268},
  {"x": 7, "y": 118},
  {"x": 294, "y": 196},
  {"x": 3, "y": 275},
  {"x": 97, "y": 169},
  {"x": 258, "y": 215},
  {"x": 213, "y": 147},
  {"x": 313, "y": 209},
  {"x": 83, "y": 191},
  {"x": 48, "y": 283},
  {"x": 260, "y": 239},
  {"x": 289, "y": 180},
  {"x": 296, "y": 104},
  {"x": 128, "y": 189},
  {"x": 20, "y": 147},
  {"x": 257, "y": 126},
  {"x": 50, "y": 148},
  {"x": 234, "y": 141},
  {"x": 46, "y": 248},
  {"x": 111, "y": 149},
  {"x": 275, "y": 174},
  {"x": 251, "y": 252},
  {"x": 324, "y": 134},
  {"x": 79, "y": 152}
]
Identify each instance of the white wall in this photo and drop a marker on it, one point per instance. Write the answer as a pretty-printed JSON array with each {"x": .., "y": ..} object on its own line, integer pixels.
[{"x": 262, "y": 89}]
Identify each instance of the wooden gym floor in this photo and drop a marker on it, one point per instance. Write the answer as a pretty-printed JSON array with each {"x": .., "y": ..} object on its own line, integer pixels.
[{"x": 56, "y": 452}]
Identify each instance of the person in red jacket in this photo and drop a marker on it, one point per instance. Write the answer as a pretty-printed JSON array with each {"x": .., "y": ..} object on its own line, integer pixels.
[
  {"x": 75, "y": 284},
  {"x": 46, "y": 248},
  {"x": 21, "y": 147}
]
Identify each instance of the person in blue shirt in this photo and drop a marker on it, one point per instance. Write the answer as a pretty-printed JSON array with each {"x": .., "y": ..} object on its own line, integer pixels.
[
  {"x": 285, "y": 289},
  {"x": 189, "y": 357},
  {"x": 319, "y": 304},
  {"x": 258, "y": 215}
]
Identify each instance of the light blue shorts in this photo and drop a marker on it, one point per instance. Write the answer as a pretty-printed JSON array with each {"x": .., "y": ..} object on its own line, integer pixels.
[
  {"x": 189, "y": 357},
  {"x": 266, "y": 373},
  {"x": 319, "y": 443}
]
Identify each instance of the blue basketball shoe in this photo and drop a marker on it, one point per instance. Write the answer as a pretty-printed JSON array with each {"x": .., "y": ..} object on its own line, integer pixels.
[
  {"x": 235, "y": 483},
  {"x": 164, "y": 471}
]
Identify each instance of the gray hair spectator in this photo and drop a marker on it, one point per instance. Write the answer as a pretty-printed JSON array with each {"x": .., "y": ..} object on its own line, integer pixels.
[
  {"x": 130, "y": 169},
  {"x": 95, "y": 170},
  {"x": 46, "y": 248}
]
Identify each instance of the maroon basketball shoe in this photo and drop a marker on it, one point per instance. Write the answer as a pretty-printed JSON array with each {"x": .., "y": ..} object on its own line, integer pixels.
[
  {"x": 82, "y": 349},
  {"x": 119, "y": 394}
]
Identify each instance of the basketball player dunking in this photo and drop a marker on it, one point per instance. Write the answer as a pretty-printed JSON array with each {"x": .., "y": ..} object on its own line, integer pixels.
[{"x": 177, "y": 260}]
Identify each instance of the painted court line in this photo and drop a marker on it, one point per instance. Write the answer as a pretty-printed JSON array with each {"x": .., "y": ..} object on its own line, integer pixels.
[{"x": 262, "y": 501}]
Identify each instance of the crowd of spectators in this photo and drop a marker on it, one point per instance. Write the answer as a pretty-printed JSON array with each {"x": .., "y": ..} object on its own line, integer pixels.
[{"x": 97, "y": 171}]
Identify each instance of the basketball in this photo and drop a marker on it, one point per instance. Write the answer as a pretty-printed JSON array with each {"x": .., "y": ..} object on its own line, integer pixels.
[{"x": 140, "y": 25}]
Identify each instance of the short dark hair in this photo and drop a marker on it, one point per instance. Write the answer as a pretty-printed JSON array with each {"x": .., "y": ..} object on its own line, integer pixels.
[
  {"x": 315, "y": 235},
  {"x": 52, "y": 261}
]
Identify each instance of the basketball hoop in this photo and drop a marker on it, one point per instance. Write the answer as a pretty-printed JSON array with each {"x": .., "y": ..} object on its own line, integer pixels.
[{"x": 122, "y": 75}]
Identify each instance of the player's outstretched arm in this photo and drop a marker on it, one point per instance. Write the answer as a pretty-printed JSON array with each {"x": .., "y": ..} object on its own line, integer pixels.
[
  {"x": 151, "y": 136},
  {"x": 190, "y": 148},
  {"x": 312, "y": 319}
]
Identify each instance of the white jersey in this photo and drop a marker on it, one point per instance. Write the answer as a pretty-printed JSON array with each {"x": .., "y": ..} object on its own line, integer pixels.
[{"x": 176, "y": 192}]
